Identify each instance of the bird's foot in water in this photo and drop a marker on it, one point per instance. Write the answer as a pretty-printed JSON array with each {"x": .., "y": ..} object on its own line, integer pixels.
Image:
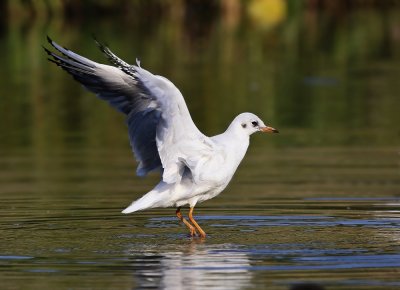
[{"x": 193, "y": 232}]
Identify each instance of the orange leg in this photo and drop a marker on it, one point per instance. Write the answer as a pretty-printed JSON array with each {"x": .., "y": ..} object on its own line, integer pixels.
[
  {"x": 199, "y": 229},
  {"x": 180, "y": 216}
]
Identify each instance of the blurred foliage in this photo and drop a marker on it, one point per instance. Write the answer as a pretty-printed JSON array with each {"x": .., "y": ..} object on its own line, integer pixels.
[{"x": 324, "y": 72}]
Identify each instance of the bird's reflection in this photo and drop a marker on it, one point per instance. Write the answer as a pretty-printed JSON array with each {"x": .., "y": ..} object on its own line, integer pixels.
[{"x": 195, "y": 265}]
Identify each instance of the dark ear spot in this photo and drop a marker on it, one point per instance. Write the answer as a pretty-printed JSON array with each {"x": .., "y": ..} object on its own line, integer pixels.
[{"x": 244, "y": 125}]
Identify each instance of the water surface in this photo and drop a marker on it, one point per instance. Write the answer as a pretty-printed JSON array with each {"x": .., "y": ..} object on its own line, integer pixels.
[{"x": 63, "y": 229}]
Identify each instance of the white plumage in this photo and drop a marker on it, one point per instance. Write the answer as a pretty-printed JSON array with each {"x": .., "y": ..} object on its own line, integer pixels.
[{"x": 163, "y": 136}]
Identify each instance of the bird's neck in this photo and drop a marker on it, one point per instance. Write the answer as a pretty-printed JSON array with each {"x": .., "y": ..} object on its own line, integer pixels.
[{"x": 235, "y": 143}]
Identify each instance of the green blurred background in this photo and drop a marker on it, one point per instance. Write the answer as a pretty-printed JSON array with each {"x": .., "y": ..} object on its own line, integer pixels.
[{"x": 325, "y": 73}]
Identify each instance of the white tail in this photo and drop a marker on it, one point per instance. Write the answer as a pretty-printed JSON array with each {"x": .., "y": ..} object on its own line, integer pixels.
[{"x": 154, "y": 198}]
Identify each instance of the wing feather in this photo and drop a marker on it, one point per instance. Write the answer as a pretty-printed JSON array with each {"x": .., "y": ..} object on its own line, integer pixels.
[{"x": 161, "y": 131}]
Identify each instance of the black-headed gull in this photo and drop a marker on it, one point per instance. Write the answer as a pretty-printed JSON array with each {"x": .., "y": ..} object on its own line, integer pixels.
[{"x": 162, "y": 134}]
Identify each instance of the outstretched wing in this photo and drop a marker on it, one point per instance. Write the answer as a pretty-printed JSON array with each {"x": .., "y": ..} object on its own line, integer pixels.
[{"x": 161, "y": 131}]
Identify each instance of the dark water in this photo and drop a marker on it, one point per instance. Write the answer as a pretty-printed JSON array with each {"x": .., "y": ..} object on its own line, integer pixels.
[
  {"x": 338, "y": 227},
  {"x": 318, "y": 203}
]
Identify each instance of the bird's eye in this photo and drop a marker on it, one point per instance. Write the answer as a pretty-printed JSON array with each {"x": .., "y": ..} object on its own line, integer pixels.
[
  {"x": 254, "y": 123},
  {"x": 244, "y": 125}
]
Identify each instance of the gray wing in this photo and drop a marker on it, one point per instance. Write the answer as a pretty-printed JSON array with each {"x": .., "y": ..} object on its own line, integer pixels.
[{"x": 122, "y": 88}]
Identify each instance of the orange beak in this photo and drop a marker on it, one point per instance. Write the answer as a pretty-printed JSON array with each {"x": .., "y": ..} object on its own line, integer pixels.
[{"x": 268, "y": 130}]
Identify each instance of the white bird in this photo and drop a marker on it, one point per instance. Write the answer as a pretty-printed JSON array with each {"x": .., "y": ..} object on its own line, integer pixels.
[{"x": 162, "y": 134}]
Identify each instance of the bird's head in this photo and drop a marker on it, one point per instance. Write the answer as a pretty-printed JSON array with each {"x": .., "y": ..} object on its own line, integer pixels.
[{"x": 249, "y": 123}]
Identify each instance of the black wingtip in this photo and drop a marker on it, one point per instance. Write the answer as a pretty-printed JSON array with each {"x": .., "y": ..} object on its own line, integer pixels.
[
  {"x": 49, "y": 40},
  {"x": 98, "y": 43},
  {"x": 94, "y": 37},
  {"x": 46, "y": 50},
  {"x": 53, "y": 61},
  {"x": 103, "y": 47}
]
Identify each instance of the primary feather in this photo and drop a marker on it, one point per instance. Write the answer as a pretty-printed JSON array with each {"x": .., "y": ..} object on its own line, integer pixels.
[{"x": 157, "y": 115}]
